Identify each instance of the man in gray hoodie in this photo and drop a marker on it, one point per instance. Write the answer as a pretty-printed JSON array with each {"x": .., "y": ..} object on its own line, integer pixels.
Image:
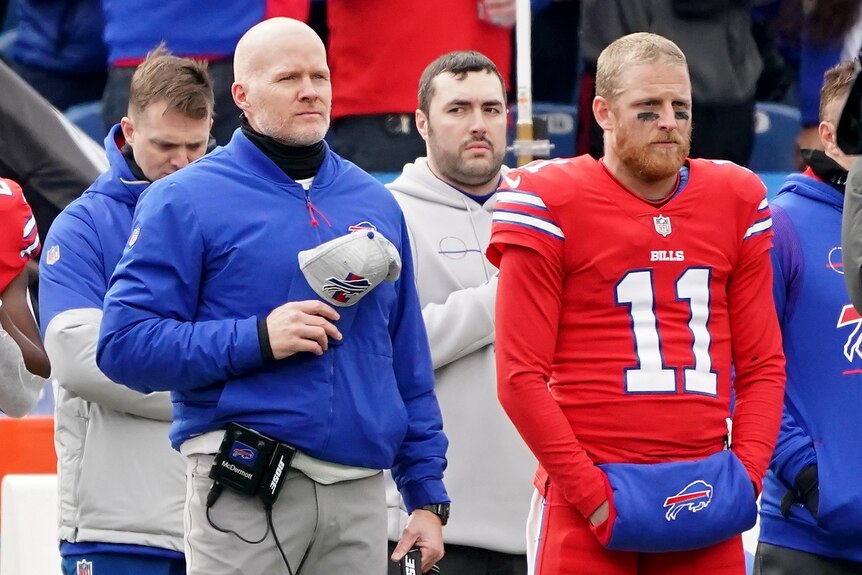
[{"x": 447, "y": 198}]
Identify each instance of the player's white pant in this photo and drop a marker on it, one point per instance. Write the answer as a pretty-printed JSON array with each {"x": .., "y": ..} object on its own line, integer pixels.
[{"x": 534, "y": 530}]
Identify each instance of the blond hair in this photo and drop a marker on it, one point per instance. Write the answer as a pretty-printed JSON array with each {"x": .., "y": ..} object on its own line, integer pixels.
[{"x": 633, "y": 50}]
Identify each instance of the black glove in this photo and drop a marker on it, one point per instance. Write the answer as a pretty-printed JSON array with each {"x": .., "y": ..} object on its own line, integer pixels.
[{"x": 806, "y": 491}]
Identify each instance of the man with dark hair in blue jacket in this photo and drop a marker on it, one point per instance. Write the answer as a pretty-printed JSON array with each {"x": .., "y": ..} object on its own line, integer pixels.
[
  {"x": 227, "y": 294},
  {"x": 122, "y": 487},
  {"x": 811, "y": 515}
]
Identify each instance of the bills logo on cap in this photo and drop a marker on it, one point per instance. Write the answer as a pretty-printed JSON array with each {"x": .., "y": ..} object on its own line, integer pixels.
[
  {"x": 84, "y": 567},
  {"x": 53, "y": 255},
  {"x": 343, "y": 290},
  {"x": 345, "y": 269},
  {"x": 694, "y": 497},
  {"x": 662, "y": 225},
  {"x": 134, "y": 237},
  {"x": 243, "y": 453}
]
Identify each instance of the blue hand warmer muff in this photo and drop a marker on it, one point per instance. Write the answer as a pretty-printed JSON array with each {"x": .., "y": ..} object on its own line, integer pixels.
[{"x": 677, "y": 506}]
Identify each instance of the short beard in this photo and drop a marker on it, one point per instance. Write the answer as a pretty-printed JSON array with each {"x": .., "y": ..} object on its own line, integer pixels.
[
  {"x": 653, "y": 164},
  {"x": 462, "y": 174}
]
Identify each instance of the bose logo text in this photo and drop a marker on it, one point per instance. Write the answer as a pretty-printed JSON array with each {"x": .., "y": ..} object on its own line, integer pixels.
[
  {"x": 277, "y": 476},
  {"x": 409, "y": 566}
]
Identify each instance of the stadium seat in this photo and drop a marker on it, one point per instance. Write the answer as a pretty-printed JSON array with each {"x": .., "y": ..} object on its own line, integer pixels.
[
  {"x": 562, "y": 123},
  {"x": 28, "y": 537},
  {"x": 775, "y": 129},
  {"x": 88, "y": 117}
]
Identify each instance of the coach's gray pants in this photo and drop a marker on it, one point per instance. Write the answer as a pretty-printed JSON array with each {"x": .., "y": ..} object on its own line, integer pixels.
[{"x": 323, "y": 529}]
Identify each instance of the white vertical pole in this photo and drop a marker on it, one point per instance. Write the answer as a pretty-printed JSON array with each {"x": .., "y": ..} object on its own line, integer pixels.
[{"x": 524, "y": 126}]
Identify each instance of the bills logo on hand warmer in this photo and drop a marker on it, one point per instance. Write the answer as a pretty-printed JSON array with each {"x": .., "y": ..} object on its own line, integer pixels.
[{"x": 694, "y": 497}]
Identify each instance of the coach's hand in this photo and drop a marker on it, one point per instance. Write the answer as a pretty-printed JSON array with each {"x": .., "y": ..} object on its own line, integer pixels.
[
  {"x": 425, "y": 531},
  {"x": 301, "y": 326}
]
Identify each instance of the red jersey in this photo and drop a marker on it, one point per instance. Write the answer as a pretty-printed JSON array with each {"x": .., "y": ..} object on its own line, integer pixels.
[
  {"x": 19, "y": 238},
  {"x": 653, "y": 304}
]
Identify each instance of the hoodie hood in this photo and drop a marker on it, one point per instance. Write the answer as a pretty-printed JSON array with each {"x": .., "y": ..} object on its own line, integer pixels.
[
  {"x": 808, "y": 186},
  {"x": 130, "y": 187},
  {"x": 417, "y": 180}
]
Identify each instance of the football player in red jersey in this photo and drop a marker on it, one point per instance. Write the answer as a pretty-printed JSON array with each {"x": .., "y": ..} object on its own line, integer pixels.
[
  {"x": 645, "y": 279},
  {"x": 23, "y": 361}
]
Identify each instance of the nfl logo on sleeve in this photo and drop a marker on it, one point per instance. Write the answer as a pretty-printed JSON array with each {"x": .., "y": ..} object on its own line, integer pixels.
[
  {"x": 53, "y": 255},
  {"x": 84, "y": 567},
  {"x": 134, "y": 237}
]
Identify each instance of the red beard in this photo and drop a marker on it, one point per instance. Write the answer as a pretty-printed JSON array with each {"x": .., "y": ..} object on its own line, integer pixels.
[{"x": 652, "y": 163}]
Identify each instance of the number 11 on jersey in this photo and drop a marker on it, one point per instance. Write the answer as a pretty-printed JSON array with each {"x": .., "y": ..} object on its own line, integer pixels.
[{"x": 636, "y": 292}]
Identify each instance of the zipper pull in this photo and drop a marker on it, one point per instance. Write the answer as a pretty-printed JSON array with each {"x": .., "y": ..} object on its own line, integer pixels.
[{"x": 310, "y": 207}]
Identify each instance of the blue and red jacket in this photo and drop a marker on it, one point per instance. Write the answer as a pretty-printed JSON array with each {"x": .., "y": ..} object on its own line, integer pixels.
[
  {"x": 822, "y": 337},
  {"x": 213, "y": 250}
]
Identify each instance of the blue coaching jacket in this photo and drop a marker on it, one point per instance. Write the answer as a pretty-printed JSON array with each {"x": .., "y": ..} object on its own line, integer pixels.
[
  {"x": 103, "y": 220},
  {"x": 822, "y": 338},
  {"x": 103, "y": 431},
  {"x": 213, "y": 249}
]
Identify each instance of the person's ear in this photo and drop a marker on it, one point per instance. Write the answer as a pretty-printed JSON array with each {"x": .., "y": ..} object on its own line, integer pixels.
[
  {"x": 422, "y": 124},
  {"x": 826, "y": 131},
  {"x": 127, "y": 125},
  {"x": 602, "y": 113},
  {"x": 240, "y": 96}
]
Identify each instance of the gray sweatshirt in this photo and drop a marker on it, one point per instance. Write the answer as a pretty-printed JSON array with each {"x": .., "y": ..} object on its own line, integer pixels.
[{"x": 490, "y": 468}]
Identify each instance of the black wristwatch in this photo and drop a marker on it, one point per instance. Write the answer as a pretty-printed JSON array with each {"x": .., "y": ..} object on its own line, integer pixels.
[{"x": 441, "y": 510}]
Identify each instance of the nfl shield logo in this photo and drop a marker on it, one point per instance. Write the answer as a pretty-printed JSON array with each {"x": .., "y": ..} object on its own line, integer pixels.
[
  {"x": 84, "y": 567},
  {"x": 662, "y": 225},
  {"x": 134, "y": 237},
  {"x": 53, "y": 255}
]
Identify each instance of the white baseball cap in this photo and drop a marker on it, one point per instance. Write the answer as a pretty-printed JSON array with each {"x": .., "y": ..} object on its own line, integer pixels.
[{"x": 342, "y": 271}]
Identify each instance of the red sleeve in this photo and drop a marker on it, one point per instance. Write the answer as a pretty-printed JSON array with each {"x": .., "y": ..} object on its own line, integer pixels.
[
  {"x": 758, "y": 357},
  {"x": 527, "y": 318},
  {"x": 19, "y": 239},
  {"x": 521, "y": 218}
]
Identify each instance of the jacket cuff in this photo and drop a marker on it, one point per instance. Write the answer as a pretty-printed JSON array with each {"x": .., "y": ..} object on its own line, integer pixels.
[
  {"x": 423, "y": 493},
  {"x": 263, "y": 340}
]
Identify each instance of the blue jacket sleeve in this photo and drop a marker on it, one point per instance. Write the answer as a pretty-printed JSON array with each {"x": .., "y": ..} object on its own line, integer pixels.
[
  {"x": 794, "y": 448},
  {"x": 151, "y": 338},
  {"x": 72, "y": 274},
  {"x": 421, "y": 459}
]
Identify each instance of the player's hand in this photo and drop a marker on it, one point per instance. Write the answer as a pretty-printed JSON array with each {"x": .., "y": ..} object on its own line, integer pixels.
[
  {"x": 425, "y": 531},
  {"x": 301, "y": 326},
  {"x": 500, "y": 12},
  {"x": 600, "y": 515}
]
